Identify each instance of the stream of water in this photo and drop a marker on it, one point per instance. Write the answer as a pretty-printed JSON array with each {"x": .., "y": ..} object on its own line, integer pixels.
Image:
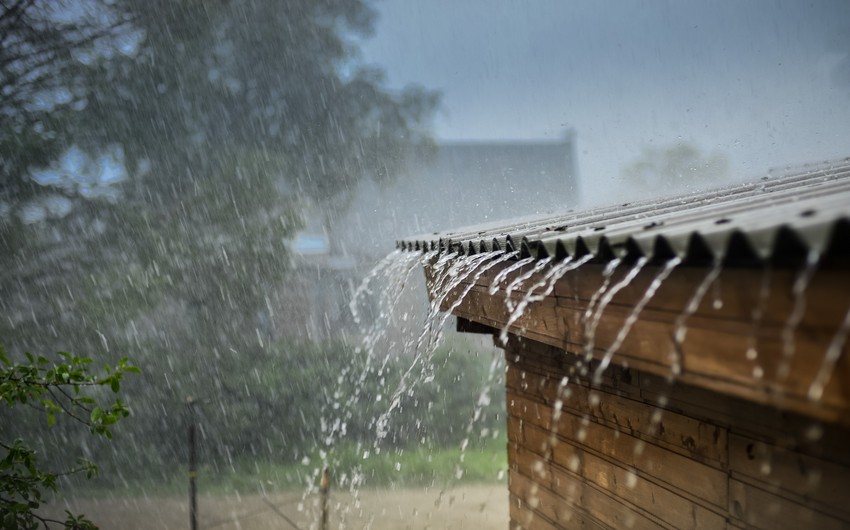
[
  {"x": 633, "y": 316},
  {"x": 798, "y": 292},
  {"x": 452, "y": 277},
  {"x": 533, "y": 294},
  {"x": 680, "y": 329},
  {"x": 830, "y": 358},
  {"x": 605, "y": 300}
]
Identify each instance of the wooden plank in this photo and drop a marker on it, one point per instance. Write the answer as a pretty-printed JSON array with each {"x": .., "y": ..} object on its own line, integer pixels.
[
  {"x": 520, "y": 512},
  {"x": 601, "y": 505},
  {"x": 530, "y": 464},
  {"x": 696, "y": 439},
  {"x": 542, "y": 502},
  {"x": 762, "y": 509},
  {"x": 667, "y": 467},
  {"x": 556, "y": 363},
  {"x": 713, "y": 352},
  {"x": 738, "y": 290},
  {"x": 815, "y": 482},
  {"x": 758, "y": 421},
  {"x": 523, "y": 518},
  {"x": 667, "y": 506},
  {"x": 644, "y": 494},
  {"x": 583, "y": 502}
]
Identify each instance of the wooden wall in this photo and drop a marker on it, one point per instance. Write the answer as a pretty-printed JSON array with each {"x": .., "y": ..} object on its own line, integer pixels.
[
  {"x": 636, "y": 452},
  {"x": 719, "y": 333}
]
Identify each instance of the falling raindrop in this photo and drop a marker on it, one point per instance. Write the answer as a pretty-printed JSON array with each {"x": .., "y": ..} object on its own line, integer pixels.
[
  {"x": 606, "y": 299},
  {"x": 798, "y": 293},
  {"x": 680, "y": 329},
  {"x": 633, "y": 316},
  {"x": 831, "y": 356}
]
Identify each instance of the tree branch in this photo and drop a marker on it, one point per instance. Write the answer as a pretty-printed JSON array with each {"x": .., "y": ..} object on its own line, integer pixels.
[{"x": 66, "y": 410}]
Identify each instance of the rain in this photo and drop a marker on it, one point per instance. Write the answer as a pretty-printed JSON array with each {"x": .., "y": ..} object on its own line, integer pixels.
[{"x": 381, "y": 264}]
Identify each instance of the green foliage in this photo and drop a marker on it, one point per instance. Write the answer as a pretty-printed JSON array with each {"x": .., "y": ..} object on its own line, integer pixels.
[
  {"x": 231, "y": 116},
  {"x": 277, "y": 404},
  {"x": 64, "y": 387},
  {"x": 427, "y": 465}
]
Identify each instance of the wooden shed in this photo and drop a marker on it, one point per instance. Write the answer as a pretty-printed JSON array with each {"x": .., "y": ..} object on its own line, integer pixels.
[{"x": 677, "y": 363}]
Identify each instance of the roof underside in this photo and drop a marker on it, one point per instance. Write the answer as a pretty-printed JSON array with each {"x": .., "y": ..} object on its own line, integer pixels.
[{"x": 775, "y": 219}]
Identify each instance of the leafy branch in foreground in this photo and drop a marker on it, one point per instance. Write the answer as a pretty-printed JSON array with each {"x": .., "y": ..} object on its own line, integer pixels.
[{"x": 64, "y": 387}]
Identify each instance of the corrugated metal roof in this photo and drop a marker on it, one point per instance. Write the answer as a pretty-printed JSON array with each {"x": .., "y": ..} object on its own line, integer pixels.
[{"x": 774, "y": 219}]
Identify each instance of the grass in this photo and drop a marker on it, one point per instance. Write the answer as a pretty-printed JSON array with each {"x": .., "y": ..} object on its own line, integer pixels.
[{"x": 482, "y": 462}]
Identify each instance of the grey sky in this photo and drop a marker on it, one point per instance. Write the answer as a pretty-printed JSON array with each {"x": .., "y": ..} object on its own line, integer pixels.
[{"x": 756, "y": 81}]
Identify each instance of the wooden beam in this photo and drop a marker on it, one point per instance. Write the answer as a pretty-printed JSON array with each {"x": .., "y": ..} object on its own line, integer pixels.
[
  {"x": 464, "y": 325},
  {"x": 743, "y": 310}
]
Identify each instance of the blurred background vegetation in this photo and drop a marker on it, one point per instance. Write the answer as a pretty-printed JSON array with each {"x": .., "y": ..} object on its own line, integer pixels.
[{"x": 158, "y": 160}]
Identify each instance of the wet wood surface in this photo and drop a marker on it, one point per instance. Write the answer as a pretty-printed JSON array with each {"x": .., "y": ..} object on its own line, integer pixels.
[
  {"x": 743, "y": 310},
  {"x": 635, "y": 450}
]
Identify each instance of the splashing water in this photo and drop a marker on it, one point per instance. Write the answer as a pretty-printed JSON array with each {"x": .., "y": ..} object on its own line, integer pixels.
[
  {"x": 607, "y": 274},
  {"x": 633, "y": 316},
  {"x": 549, "y": 280},
  {"x": 459, "y": 272},
  {"x": 494, "y": 286},
  {"x": 395, "y": 273},
  {"x": 833, "y": 352},
  {"x": 363, "y": 288},
  {"x": 390, "y": 278},
  {"x": 517, "y": 282},
  {"x": 396, "y": 277},
  {"x": 798, "y": 291},
  {"x": 496, "y": 368},
  {"x": 475, "y": 278},
  {"x": 680, "y": 329},
  {"x": 394, "y": 270},
  {"x": 606, "y": 299},
  {"x": 451, "y": 278}
]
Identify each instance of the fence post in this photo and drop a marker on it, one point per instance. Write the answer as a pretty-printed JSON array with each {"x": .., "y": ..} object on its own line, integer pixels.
[
  {"x": 193, "y": 473},
  {"x": 324, "y": 490}
]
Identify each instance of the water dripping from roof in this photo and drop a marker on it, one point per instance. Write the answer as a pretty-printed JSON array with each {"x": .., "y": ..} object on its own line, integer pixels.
[
  {"x": 446, "y": 280},
  {"x": 632, "y": 318},
  {"x": 831, "y": 356},
  {"x": 459, "y": 300},
  {"x": 757, "y": 318},
  {"x": 680, "y": 329},
  {"x": 503, "y": 274},
  {"x": 798, "y": 292},
  {"x": 363, "y": 288},
  {"x": 554, "y": 274},
  {"x": 517, "y": 282},
  {"x": 606, "y": 299},
  {"x": 448, "y": 273}
]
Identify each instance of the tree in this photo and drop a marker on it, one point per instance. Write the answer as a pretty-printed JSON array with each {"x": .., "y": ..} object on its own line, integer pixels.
[
  {"x": 64, "y": 387},
  {"x": 229, "y": 116},
  {"x": 42, "y": 49},
  {"x": 677, "y": 166}
]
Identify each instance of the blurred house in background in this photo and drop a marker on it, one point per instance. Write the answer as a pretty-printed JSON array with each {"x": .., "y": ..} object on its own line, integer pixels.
[{"x": 460, "y": 183}]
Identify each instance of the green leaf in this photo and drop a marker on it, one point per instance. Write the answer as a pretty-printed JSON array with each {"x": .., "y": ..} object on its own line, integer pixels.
[
  {"x": 115, "y": 385},
  {"x": 96, "y": 414}
]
